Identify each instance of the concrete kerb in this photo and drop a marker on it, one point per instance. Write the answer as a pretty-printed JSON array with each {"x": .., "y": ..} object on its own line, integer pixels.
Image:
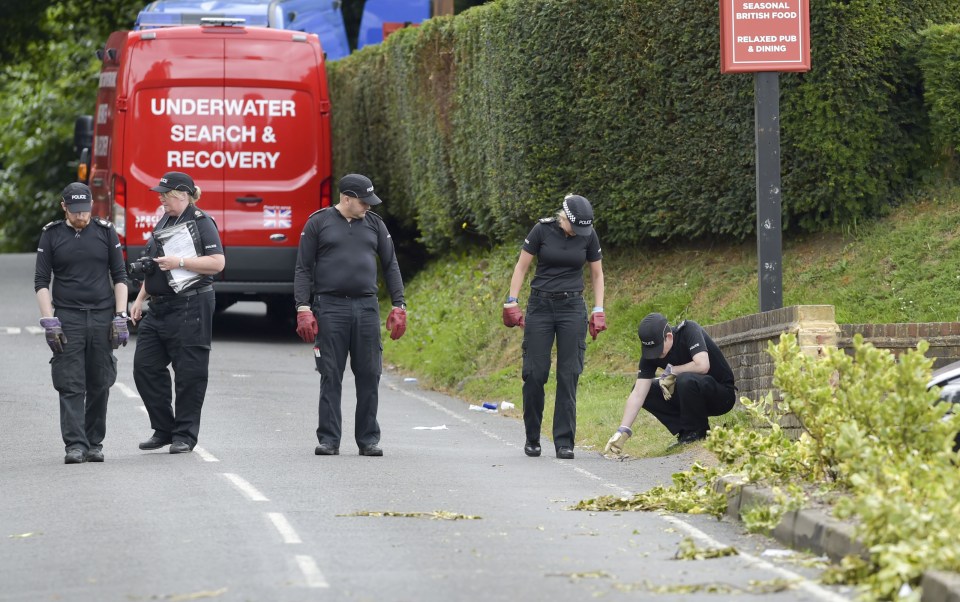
[
  {"x": 940, "y": 586},
  {"x": 816, "y": 532}
]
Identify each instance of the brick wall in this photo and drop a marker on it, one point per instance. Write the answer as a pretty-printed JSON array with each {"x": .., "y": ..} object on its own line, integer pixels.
[
  {"x": 744, "y": 341},
  {"x": 943, "y": 337}
]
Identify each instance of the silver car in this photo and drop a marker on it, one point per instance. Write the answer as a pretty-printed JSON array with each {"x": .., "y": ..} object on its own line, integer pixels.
[{"x": 948, "y": 379}]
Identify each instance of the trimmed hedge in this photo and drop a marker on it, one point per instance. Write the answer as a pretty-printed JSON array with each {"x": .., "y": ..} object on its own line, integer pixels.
[
  {"x": 482, "y": 122},
  {"x": 940, "y": 63}
]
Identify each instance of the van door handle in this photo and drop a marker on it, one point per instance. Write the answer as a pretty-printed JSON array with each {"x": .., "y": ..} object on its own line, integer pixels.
[{"x": 253, "y": 200}]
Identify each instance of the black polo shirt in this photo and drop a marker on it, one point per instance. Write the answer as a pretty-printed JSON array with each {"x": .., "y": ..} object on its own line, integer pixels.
[
  {"x": 689, "y": 339},
  {"x": 339, "y": 257},
  {"x": 157, "y": 283},
  {"x": 84, "y": 265},
  {"x": 560, "y": 258}
]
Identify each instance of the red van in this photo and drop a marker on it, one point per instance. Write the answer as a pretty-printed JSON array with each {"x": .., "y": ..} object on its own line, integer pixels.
[{"x": 246, "y": 113}]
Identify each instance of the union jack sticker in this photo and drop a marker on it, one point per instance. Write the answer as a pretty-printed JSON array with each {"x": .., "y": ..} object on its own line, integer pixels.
[{"x": 276, "y": 216}]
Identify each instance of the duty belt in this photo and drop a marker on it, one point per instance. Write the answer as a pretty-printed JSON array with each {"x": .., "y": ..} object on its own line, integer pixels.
[
  {"x": 547, "y": 295},
  {"x": 181, "y": 295},
  {"x": 342, "y": 296}
]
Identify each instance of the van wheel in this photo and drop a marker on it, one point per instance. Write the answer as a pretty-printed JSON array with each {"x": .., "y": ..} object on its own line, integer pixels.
[
  {"x": 221, "y": 305},
  {"x": 282, "y": 310}
]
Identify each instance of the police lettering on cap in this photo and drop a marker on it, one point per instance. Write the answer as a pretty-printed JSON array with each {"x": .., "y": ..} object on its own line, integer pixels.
[
  {"x": 77, "y": 197},
  {"x": 652, "y": 331},
  {"x": 175, "y": 180},
  {"x": 359, "y": 187},
  {"x": 580, "y": 213}
]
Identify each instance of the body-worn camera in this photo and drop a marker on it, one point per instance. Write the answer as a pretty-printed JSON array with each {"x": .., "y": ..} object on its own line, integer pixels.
[{"x": 143, "y": 267}]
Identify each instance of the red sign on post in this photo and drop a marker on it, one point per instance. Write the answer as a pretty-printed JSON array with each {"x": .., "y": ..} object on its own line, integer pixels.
[{"x": 764, "y": 36}]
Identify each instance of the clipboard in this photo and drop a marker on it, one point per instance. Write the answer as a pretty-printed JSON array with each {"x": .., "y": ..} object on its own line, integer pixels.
[{"x": 181, "y": 240}]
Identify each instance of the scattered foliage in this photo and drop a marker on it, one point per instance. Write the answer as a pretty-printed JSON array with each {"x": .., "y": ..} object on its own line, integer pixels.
[
  {"x": 872, "y": 432},
  {"x": 692, "y": 492},
  {"x": 754, "y": 586},
  {"x": 690, "y": 551}
]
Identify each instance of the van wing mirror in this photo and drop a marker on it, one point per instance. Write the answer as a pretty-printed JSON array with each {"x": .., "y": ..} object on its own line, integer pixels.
[{"x": 82, "y": 133}]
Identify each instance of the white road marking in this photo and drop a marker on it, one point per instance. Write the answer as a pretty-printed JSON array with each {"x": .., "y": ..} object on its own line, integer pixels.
[
  {"x": 286, "y": 530},
  {"x": 207, "y": 456},
  {"x": 585, "y": 473},
  {"x": 10, "y": 329},
  {"x": 130, "y": 393},
  {"x": 803, "y": 583},
  {"x": 34, "y": 329},
  {"x": 310, "y": 572},
  {"x": 126, "y": 390},
  {"x": 246, "y": 488}
]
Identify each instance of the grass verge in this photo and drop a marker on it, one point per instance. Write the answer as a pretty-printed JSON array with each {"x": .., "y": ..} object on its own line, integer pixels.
[{"x": 901, "y": 268}]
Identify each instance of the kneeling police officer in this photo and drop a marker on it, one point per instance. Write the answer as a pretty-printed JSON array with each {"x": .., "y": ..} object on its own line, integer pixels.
[
  {"x": 179, "y": 326},
  {"x": 696, "y": 382}
]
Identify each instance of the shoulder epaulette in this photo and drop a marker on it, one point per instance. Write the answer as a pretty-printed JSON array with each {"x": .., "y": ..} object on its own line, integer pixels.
[
  {"x": 53, "y": 223},
  {"x": 102, "y": 222},
  {"x": 547, "y": 220},
  {"x": 681, "y": 324},
  {"x": 317, "y": 211},
  {"x": 198, "y": 214}
]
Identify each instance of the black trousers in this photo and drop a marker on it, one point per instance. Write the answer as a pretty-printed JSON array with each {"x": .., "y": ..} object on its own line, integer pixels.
[
  {"x": 348, "y": 326},
  {"x": 695, "y": 397},
  {"x": 83, "y": 375},
  {"x": 566, "y": 321},
  {"x": 177, "y": 332}
]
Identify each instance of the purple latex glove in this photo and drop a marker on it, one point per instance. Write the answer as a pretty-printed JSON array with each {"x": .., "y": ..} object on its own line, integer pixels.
[
  {"x": 119, "y": 332},
  {"x": 54, "y": 334}
]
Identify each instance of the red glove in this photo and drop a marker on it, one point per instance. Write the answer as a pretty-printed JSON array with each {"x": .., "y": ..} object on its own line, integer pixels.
[
  {"x": 598, "y": 323},
  {"x": 513, "y": 316},
  {"x": 307, "y": 326},
  {"x": 397, "y": 322}
]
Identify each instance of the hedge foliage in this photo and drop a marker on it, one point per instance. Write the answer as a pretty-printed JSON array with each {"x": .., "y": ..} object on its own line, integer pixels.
[
  {"x": 479, "y": 124},
  {"x": 940, "y": 64},
  {"x": 51, "y": 82}
]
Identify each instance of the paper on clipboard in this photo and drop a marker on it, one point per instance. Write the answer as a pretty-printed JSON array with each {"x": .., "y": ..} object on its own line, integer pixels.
[{"x": 181, "y": 240}]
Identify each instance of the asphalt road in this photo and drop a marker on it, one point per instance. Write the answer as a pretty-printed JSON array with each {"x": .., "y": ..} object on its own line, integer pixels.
[{"x": 254, "y": 515}]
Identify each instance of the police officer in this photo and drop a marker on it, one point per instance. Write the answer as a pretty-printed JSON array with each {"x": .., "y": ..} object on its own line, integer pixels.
[
  {"x": 556, "y": 310},
  {"x": 83, "y": 320},
  {"x": 696, "y": 381},
  {"x": 337, "y": 271},
  {"x": 178, "y": 329}
]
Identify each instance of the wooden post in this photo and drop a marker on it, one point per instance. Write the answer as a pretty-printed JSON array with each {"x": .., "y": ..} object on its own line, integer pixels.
[{"x": 442, "y": 7}]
